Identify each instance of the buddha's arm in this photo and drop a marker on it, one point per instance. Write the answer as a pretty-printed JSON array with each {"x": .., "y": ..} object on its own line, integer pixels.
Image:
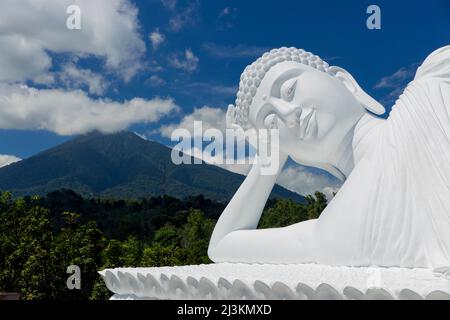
[{"x": 245, "y": 208}]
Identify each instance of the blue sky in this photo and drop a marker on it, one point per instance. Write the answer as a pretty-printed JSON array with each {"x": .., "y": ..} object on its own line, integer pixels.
[
  {"x": 187, "y": 54},
  {"x": 225, "y": 36}
]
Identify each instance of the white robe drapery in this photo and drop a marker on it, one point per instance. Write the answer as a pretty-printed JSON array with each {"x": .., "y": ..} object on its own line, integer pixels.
[{"x": 394, "y": 208}]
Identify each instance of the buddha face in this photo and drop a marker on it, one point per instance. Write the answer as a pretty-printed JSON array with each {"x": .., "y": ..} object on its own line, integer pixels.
[{"x": 313, "y": 110}]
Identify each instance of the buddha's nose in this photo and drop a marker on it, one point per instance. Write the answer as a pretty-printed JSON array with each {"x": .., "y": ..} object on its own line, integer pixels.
[{"x": 286, "y": 112}]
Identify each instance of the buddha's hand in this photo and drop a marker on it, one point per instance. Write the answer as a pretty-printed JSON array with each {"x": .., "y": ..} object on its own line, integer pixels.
[
  {"x": 265, "y": 141},
  {"x": 269, "y": 151}
]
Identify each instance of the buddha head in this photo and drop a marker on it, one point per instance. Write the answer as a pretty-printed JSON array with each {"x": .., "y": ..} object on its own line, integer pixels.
[{"x": 314, "y": 106}]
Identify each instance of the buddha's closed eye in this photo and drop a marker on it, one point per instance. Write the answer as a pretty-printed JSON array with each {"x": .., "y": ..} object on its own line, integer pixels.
[{"x": 287, "y": 90}]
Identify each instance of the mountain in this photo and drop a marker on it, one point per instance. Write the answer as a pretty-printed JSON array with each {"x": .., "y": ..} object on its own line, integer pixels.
[{"x": 120, "y": 165}]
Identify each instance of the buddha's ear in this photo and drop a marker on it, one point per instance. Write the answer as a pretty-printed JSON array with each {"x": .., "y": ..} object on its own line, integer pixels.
[{"x": 367, "y": 101}]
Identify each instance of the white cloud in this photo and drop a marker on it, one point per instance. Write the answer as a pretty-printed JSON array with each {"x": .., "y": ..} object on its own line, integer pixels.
[
  {"x": 188, "y": 64},
  {"x": 301, "y": 180},
  {"x": 237, "y": 51},
  {"x": 153, "y": 66},
  {"x": 20, "y": 58},
  {"x": 243, "y": 169},
  {"x": 155, "y": 81},
  {"x": 72, "y": 112},
  {"x": 295, "y": 178},
  {"x": 75, "y": 78},
  {"x": 396, "y": 82},
  {"x": 187, "y": 16},
  {"x": 156, "y": 38},
  {"x": 6, "y": 159},
  {"x": 30, "y": 28},
  {"x": 210, "y": 118},
  {"x": 210, "y": 88},
  {"x": 46, "y": 79},
  {"x": 217, "y": 160},
  {"x": 398, "y": 77}
]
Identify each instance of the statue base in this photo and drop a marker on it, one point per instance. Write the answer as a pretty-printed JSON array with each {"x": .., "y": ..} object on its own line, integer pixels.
[{"x": 269, "y": 281}]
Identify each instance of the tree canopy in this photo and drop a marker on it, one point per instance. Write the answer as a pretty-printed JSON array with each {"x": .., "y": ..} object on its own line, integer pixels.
[{"x": 41, "y": 236}]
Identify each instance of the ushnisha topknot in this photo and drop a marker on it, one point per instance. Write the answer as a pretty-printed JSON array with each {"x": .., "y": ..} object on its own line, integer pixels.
[{"x": 255, "y": 72}]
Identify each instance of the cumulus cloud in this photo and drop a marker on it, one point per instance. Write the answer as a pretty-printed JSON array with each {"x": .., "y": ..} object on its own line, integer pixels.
[
  {"x": 29, "y": 29},
  {"x": 33, "y": 31},
  {"x": 75, "y": 78},
  {"x": 68, "y": 112},
  {"x": 6, "y": 159},
  {"x": 21, "y": 59},
  {"x": 303, "y": 181},
  {"x": 188, "y": 64},
  {"x": 156, "y": 38},
  {"x": 210, "y": 118}
]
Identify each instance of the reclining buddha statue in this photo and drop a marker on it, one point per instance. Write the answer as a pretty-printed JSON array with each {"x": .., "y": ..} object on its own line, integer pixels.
[{"x": 394, "y": 206}]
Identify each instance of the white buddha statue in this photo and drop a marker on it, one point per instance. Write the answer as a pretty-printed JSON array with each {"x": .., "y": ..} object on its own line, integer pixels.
[{"x": 394, "y": 207}]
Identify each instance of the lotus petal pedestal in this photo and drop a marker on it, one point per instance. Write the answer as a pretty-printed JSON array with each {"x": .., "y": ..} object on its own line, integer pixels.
[{"x": 267, "y": 281}]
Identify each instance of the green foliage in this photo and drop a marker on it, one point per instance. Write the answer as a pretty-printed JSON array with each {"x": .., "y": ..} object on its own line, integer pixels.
[
  {"x": 113, "y": 254},
  {"x": 284, "y": 212},
  {"x": 41, "y": 237},
  {"x": 195, "y": 236},
  {"x": 158, "y": 256},
  {"x": 119, "y": 219},
  {"x": 34, "y": 258},
  {"x": 79, "y": 245},
  {"x": 167, "y": 236},
  {"x": 132, "y": 252},
  {"x": 315, "y": 205},
  {"x": 179, "y": 246},
  {"x": 26, "y": 249}
]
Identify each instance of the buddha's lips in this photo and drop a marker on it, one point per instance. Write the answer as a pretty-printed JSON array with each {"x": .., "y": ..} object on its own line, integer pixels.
[{"x": 305, "y": 127}]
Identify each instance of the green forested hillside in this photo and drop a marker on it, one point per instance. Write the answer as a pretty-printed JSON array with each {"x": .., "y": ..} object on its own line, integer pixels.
[
  {"x": 121, "y": 166},
  {"x": 41, "y": 236}
]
